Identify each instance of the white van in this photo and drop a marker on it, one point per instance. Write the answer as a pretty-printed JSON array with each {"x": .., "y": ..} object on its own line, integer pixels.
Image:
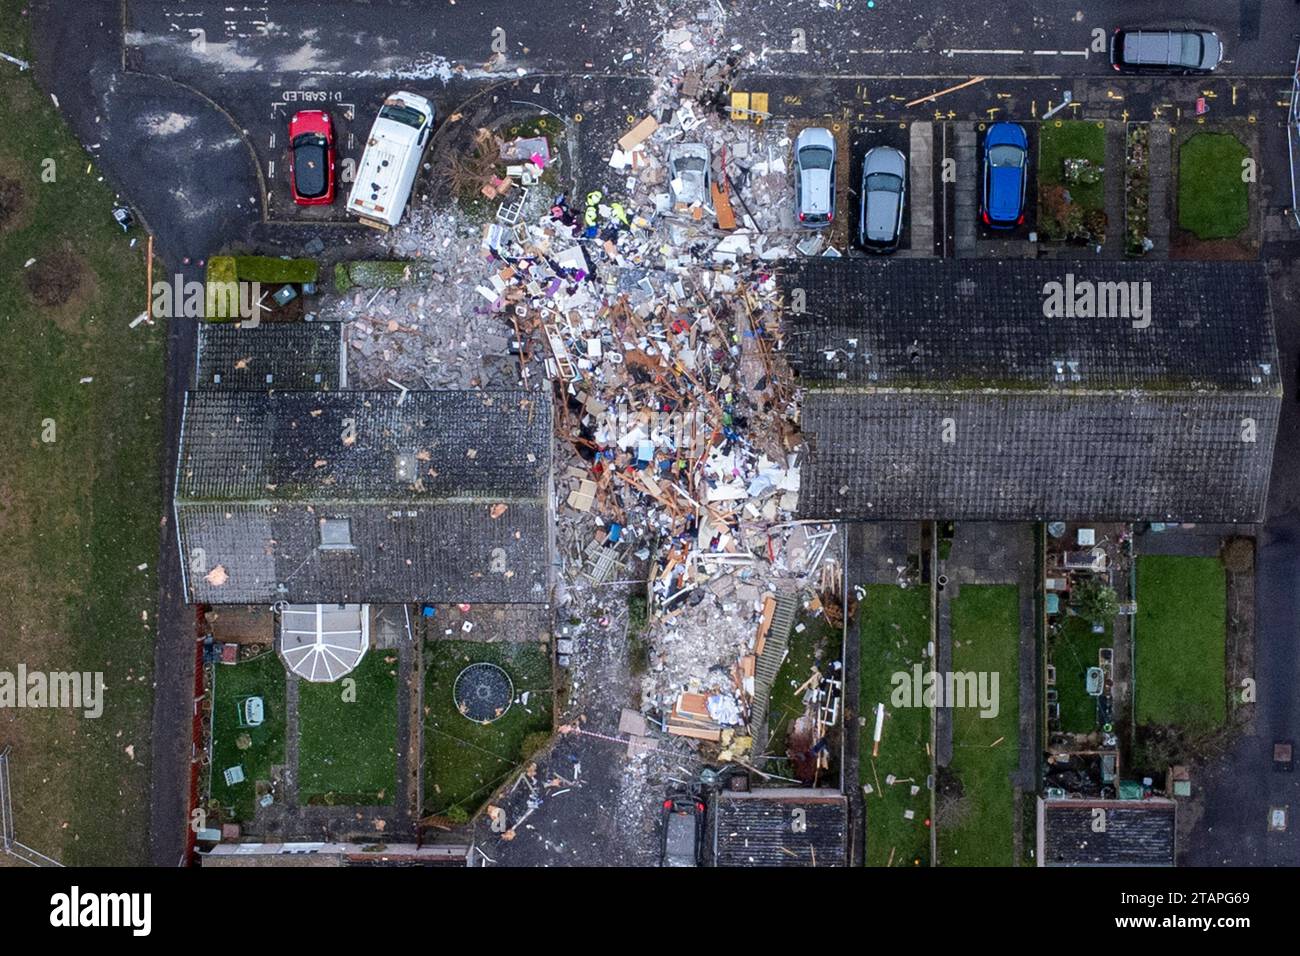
[{"x": 391, "y": 160}]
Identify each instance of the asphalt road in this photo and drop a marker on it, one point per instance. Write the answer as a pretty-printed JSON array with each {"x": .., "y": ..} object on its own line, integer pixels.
[{"x": 185, "y": 103}]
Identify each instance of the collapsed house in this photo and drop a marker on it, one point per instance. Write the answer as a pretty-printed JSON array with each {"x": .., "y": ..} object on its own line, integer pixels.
[{"x": 951, "y": 389}]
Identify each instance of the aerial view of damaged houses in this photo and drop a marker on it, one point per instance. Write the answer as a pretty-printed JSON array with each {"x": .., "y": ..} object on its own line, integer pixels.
[{"x": 706, "y": 433}]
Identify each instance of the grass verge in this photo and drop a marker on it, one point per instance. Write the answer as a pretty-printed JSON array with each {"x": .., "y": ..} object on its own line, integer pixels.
[
  {"x": 1212, "y": 197},
  {"x": 464, "y": 761},
  {"x": 80, "y": 492},
  {"x": 262, "y": 677},
  {"x": 1073, "y": 139},
  {"x": 1074, "y": 649},
  {"x": 1180, "y": 642},
  {"x": 348, "y": 736},
  {"x": 895, "y": 632},
  {"x": 977, "y": 815}
]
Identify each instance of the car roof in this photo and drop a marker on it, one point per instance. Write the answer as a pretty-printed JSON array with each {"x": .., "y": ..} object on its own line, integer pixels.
[
  {"x": 694, "y": 150},
  {"x": 884, "y": 159},
  {"x": 815, "y": 136},
  {"x": 1158, "y": 47},
  {"x": 1006, "y": 134},
  {"x": 1004, "y": 198}
]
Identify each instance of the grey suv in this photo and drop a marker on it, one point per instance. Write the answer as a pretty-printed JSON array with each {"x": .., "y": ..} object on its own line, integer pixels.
[{"x": 1165, "y": 51}]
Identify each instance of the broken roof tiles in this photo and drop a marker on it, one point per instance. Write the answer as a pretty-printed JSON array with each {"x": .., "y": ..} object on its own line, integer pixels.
[
  {"x": 939, "y": 389},
  {"x": 1027, "y": 456},
  {"x": 780, "y": 827},
  {"x": 364, "y": 497},
  {"x": 1136, "y": 832},
  {"x": 365, "y": 446},
  {"x": 961, "y": 324},
  {"x": 273, "y": 355}
]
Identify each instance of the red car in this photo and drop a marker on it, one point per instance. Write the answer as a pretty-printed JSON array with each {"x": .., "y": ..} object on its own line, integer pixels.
[{"x": 311, "y": 158}]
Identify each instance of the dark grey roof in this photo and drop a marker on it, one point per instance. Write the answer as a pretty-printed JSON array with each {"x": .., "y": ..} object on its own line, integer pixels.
[
  {"x": 1049, "y": 418},
  {"x": 762, "y": 828},
  {"x": 1027, "y": 456},
  {"x": 242, "y": 446},
  {"x": 260, "y": 471},
  {"x": 273, "y": 355},
  {"x": 944, "y": 324},
  {"x": 426, "y": 551},
  {"x": 1136, "y": 833}
]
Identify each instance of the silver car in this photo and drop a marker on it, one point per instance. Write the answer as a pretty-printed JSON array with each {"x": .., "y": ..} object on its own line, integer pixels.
[
  {"x": 689, "y": 175},
  {"x": 1165, "y": 51},
  {"x": 884, "y": 188},
  {"x": 814, "y": 177}
]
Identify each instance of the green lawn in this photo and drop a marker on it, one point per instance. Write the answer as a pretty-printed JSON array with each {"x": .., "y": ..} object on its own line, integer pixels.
[
  {"x": 80, "y": 492},
  {"x": 895, "y": 631},
  {"x": 985, "y": 750},
  {"x": 348, "y": 740},
  {"x": 1073, "y": 651},
  {"x": 463, "y": 760},
  {"x": 263, "y": 677},
  {"x": 1072, "y": 139},
  {"x": 1212, "y": 198},
  {"x": 817, "y": 644},
  {"x": 1180, "y": 642}
]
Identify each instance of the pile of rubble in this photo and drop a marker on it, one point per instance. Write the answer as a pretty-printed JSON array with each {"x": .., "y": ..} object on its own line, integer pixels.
[
  {"x": 655, "y": 315},
  {"x": 653, "y": 312},
  {"x": 432, "y": 329}
]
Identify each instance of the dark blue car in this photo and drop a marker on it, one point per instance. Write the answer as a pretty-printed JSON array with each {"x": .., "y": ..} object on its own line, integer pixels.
[{"x": 1006, "y": 171}]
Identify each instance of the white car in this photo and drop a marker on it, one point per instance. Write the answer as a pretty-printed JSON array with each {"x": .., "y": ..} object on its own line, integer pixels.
[
  {"x": 689, "y": 175},
  {"x": 814, "y": 177}
]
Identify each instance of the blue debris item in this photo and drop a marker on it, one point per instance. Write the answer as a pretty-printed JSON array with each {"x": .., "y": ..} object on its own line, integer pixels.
[
  {"x": 615, "y": 533},
  {"x": 645, "y": 450},
  {"x": 428, "y": 610}
]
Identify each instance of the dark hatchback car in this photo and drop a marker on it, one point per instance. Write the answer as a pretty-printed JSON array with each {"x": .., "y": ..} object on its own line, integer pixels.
[
  {"x": 311, "y": 162},
  {"x": 1006, "y": 172},
  {"x": 1165, "y": 51},
  {"x": 683, "y": 831}
]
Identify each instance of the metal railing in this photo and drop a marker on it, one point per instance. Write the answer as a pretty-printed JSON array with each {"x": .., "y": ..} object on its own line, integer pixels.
[
  {"x": 1292, "y": 132},
  {"x": 9, "y": 845}
]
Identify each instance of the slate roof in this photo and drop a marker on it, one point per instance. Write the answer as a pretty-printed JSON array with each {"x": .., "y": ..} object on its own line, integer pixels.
[
  {"x": 757, "y": 828},
  {"x": 1136, "y": 833},
  {"x": 1088, "y": 419},
  {"x": 260, "y": 471},
  {"x": 941, "y": 324},
  {"x": 1121, "y": 457},
  {"x": 273, "y": 355}
]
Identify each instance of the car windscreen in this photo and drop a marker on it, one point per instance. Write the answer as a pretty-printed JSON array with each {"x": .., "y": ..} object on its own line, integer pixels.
[
  {"x": 1006, "y": 156},
  {"x": 309, "y": 161},
  {"x": 407, "y": 115},
  {"x": 815, "y": 157},
  {"x": 884, "y": 182},
  {"x": 689, "y": 164},
  {"x": 1192, "y": 48}
]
